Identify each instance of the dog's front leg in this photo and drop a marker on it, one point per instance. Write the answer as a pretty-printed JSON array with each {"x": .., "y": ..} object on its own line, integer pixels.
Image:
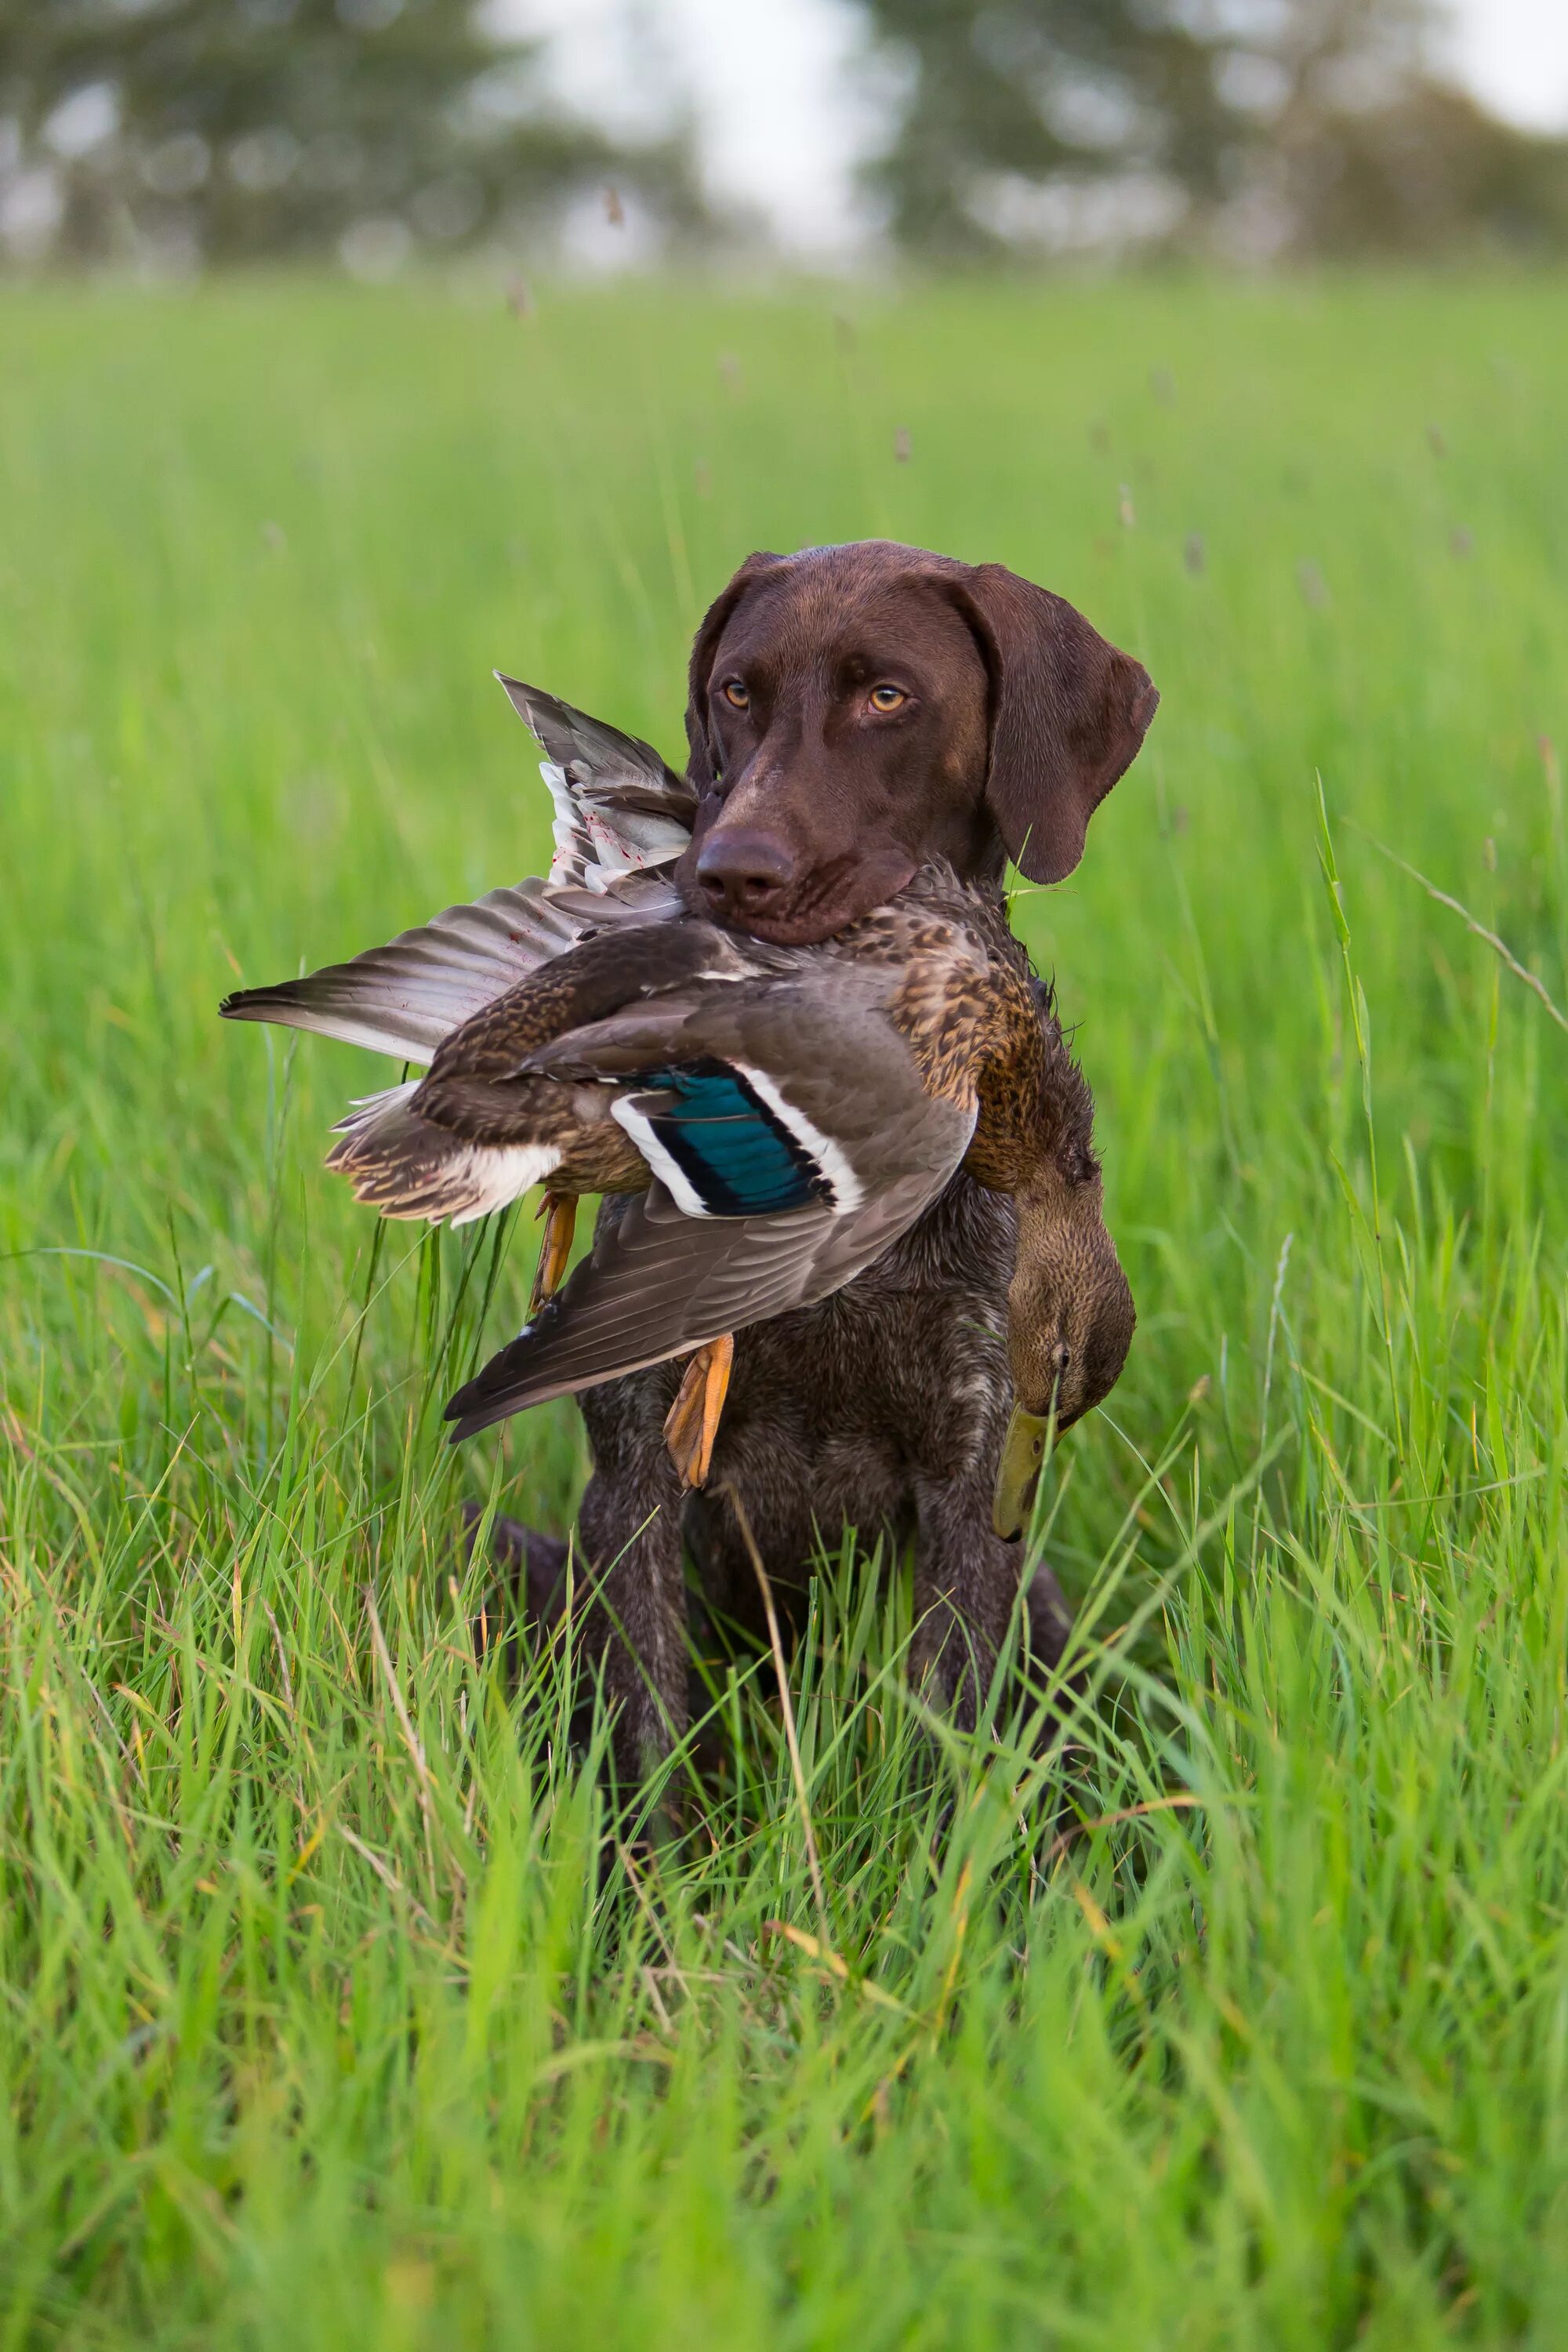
[
  {"x": 630, "y": 1536},
  {"x": 624, "y": 1575}
]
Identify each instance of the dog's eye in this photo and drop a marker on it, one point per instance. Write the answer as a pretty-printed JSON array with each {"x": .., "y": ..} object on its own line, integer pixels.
[
  {"x": 735, "y": 695},
  {"x": 887, "y": 698}
]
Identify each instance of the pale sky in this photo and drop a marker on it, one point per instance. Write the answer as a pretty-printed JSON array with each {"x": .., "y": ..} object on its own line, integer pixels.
[{"x": 782, "y": 118}]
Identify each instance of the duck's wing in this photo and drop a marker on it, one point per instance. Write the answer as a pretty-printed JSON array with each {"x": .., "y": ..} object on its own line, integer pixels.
[
  {"x": 622, "y": 818},
  {"x": 660, "y": 1283},
  {"x": 619, "y": 808},
  {"x": 792, "y": 1142},
  {"x": 743, "y": 1090},
  {"x": 404, "y": 998},
  {"x": 486, "y": 1125}
]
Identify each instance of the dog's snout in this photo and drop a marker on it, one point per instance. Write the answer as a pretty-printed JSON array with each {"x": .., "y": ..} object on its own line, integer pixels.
[{"x": 744, "y": 871}]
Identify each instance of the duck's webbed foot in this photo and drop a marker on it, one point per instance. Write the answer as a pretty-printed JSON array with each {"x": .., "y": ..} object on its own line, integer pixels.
[
  {"x": 691, "y": 1423},
  {"x": 559, "y": 1211}
]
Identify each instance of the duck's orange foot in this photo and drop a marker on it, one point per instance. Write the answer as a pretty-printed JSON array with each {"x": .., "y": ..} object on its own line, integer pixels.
[
  {"x": 559, "y": 1211},
  {"x": 691, "y": 1423}
]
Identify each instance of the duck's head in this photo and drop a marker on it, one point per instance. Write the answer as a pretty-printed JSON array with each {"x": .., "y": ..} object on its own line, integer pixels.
[{"x": 1069, "y": 1325}]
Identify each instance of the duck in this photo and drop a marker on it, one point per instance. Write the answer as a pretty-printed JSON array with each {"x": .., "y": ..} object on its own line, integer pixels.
[{"x": 778, "y": 1116}]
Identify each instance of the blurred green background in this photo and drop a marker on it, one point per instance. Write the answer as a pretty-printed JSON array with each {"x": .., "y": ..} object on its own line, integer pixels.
[{"x": 161, "y": 136}]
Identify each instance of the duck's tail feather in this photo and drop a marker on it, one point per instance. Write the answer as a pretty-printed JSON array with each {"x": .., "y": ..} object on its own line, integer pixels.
[
  {"x": 404, "y": 998},
  {"x": 619, "y": 808},
  {"x": 406, "y": 1167}
]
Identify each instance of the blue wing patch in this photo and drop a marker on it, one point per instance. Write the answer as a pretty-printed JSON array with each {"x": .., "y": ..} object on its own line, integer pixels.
[{"x": 736, "y": 1153}]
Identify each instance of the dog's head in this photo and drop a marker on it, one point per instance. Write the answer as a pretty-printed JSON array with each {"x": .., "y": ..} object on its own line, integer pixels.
[{"x": 854, "y": 711}]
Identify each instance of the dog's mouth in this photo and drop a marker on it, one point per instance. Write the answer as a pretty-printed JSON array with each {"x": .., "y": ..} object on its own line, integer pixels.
[
  {"x": 806, "y": 927},
  {"x": 820, "y": 904}
]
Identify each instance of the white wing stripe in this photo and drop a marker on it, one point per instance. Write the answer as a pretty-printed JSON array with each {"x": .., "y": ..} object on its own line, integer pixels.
[
  {"x": 674, "y": 1178},
  {"x": 848, "y": 1192}
]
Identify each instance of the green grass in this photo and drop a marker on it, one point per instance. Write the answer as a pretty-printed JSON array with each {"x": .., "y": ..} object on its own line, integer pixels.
[{"x": 329, "y": 2013}]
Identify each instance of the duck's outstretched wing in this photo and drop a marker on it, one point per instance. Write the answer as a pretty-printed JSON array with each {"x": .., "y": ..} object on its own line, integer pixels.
[
  {"x": 619, "y": 808},
  {"x": 622, "y": 818},
  {"x": 660, "y": 1283},
  {"x": 404, "y": 998}
]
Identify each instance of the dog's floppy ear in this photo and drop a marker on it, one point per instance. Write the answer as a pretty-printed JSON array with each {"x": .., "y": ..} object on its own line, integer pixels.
[
  {"x": 700, "y": 767},
  {"x": 1068, "y": 714}
]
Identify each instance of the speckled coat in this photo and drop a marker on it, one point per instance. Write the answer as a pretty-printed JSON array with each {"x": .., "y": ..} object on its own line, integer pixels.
[{"x": 881, "y": 1408}]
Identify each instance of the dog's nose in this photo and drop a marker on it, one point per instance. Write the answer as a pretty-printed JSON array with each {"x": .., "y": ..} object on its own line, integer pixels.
[{"x": 744, "y": 872}]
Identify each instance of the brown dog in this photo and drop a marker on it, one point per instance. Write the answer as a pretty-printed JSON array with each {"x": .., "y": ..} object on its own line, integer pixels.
[{"x": 854, "y": 711}]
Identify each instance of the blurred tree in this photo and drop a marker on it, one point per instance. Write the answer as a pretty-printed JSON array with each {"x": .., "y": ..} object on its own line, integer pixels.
[
  {"x": 1429, "y": 174},
  {"x": 1261, "y": 129},
  {"x": 228, "y": 129}
]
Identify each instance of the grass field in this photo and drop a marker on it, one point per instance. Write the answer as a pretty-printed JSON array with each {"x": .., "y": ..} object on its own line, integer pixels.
[{"x": 330, "y": 2012}]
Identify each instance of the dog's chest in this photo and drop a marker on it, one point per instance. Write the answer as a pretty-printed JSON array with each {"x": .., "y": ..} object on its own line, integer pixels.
[{"x": 901, "y": 1374}]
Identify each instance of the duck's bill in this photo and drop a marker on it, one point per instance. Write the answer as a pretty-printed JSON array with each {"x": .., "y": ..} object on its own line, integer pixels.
[{"x": 1023, "y": 1450}]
